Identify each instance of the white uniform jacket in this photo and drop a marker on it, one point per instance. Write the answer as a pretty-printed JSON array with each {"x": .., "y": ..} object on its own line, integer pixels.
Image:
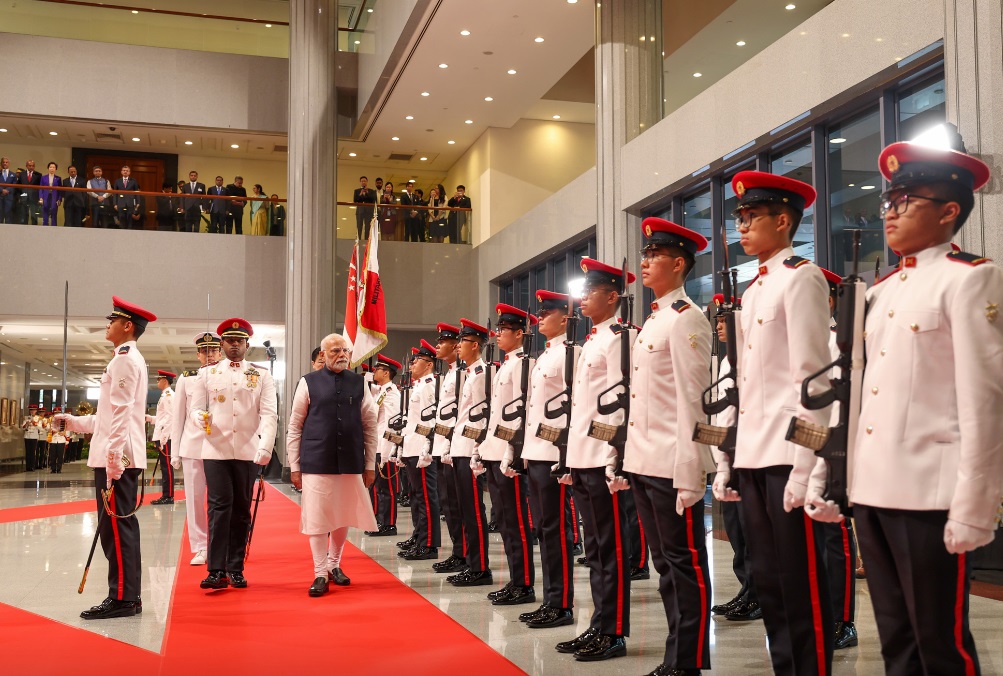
[
  {"x": 598, "y": 368},
  {"x": 119, "y": 425},
  {"x": 671, "y": 359},
  {"x": 507, "y": 387},
  {"x": 785, "y": 334},
  {"x": 422, "y": 397},
  {"x": 545, "y": 382},
  {"x": 448, "y": 402},
  {"x": 163, "y": 422},
  {"x": 470, "y": 400},
  {"x": 243, "y": 406},
  {"x": 297, "y": 416},
  {"x": 388, "y": 399},
  {"x": 186, "y": 436},
  {"x": 931, "y": 429}
]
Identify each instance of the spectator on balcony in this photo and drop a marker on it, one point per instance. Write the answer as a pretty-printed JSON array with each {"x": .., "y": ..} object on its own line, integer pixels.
[
  {"x": 235, "y": 214},
  {"x": 167, "y": 208},
  {"x": 259, "y": 212},
  {"x": 458, "y": 219},
  {"x": 195, "y": 203},
  {"x": 218, "y": 208},
  {"x": 414, "y": 228},
  {"x": 7, "y": 192},
  {"x": 363, "y": 215},
  {"x": 50, "y": 199},
  {"x": 388, "y": 214},
  {"x": 278, "y": 228},
  {"x": 437, "y": 228},
  {"x": 100, "y": 198},
  {"x": 28, "y": 204},
  {"x": 128, "y": 208},
  {"x": 73, "y": 202}
]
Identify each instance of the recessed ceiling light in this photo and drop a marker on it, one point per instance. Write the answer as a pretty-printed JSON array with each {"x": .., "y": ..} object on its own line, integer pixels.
[
  {"x": 370, "y": 10},
  {"x": 846, "y": 35},
  {"x": 468, "y": 122},
  {"x": 135, "y": 138},
  {"x": 424, "y": 93},
  {"x": 451, "y": 142},
  {"x": 135, "y": 11},
  {"x": 557, "y": 117},
  {"x": 488, "y": 98},
  {"x": 697, "y": 74},
  {"x": 850, "y": 185},
  {"x": 740, "y": 43},
  {"x": 511, "y": 71},
  {"x": 443, "y": 65},
  {"x": 351, "y": 154},
  {"x": 3, "y": 131},
  {"x": 790, "y": 6},
  {"x": 867, "y": 187},
  {"x": 464, "y": 33},
  {"x": 572, "y": 2},
  {"x": 268, "y": 25},
  {"x": 188, "y": 143},
  {"x": 52, "y": 133},
  {"x": 838, "y": 139},
  {"x": 538, "y": 40},
  {"x": 422, "y": 158},
  {"x": 358, "y": 42},
  {"x": 409, "y": 117},
  {"x": 395, "y": 138},
  {"x": 234, "y": 145}
]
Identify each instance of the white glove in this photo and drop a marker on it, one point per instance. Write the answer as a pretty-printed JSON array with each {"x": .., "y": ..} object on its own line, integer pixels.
[
  {"x": 476, "y": 466},
  {"x": 151, "y": 419},
  {"x": 506, "y": 464},
  {"x": 686, "y": 498},
  {"x": 65, "y": 417},
  {"x": 794, "y": 495},
  {"x": 614, "y": 482},
  {"x": 720, "y": 486},
  {"x": 960, "y": 538},
  {"x": 399, "y": 461},
  {"x": 424, "y": 460},
  {"x": 564, "y": 478},
  {"x": 262, "y": 457},
  {"x": 202, "y": 419},
  {"x": 114, "y": 467},
  {"x": 175, "y": 462},
  {"x": 819, "y": 509},
  {"x": 446, "y": 458}
]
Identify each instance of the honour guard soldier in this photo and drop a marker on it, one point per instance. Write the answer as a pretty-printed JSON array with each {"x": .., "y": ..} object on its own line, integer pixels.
[
  {"x": 667, "y": 468},
  {"x": 31, "y": 425},
  {"x": 186, "y": 442},
  {"x": 162, "y": 425},
  {"x": 470, "y": 487},
  {"x": 552, "y": 499},
  {"x": 509, "y": 488},
  {"x": 593, "y": 464},
  {"x": 449, "y": 404},
  {"x": 57, "y": 445},
  {"x": 784, "y": 339},
  {"x": 417, "y": 456},
  {"x": 388, "y": 398},
  {"x": 927, "y": 468},
  {"x": 239, "y": 426},
  {"x": 118, "y": 455}
]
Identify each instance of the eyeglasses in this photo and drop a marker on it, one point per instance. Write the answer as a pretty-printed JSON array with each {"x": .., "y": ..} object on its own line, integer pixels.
[
  {"x": 745, "y": 217},
  {"x": 469, "y": 340},
  {"x": 901, "y": 203},
  {"x": 339, "y": 350},
  {"x": 652, "y": 255}
]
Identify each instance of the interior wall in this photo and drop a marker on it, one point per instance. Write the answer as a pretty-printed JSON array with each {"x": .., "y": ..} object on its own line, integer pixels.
[{"x": 12, "y": 388}]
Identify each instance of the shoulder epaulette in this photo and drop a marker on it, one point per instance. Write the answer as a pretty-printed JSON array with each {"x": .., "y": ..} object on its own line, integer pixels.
[
  {"x": 190, "y": 372},
  {"x": 680, "y": 305},
  {"x": 123, "y": 350},
  {"x": 479, "y": 369},
  {"x": 970, "y": 259},
  {"x": 795, "y": 262}
]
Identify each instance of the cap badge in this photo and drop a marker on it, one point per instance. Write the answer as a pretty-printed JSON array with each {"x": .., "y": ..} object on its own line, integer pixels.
[
  {"x": 235, "y": 325},
  {"x": 584, "y": 267},
  {"x": 992, "y": 312},
  {"x": 740, "y": 189},
  {"x": 892, "y": 163},
  {"x": 647, "y": 230}
]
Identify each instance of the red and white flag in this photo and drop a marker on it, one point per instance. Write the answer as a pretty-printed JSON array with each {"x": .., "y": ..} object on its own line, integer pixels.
[
  {"x": 371, "y": 335},
  {"x": 352, "y": 301}
]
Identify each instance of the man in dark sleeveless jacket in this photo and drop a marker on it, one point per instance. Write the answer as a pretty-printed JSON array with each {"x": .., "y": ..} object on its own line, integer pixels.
[{"x": 331, "y": 445}]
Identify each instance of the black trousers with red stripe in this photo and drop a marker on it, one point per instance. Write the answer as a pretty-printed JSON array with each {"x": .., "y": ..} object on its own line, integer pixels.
[
  {"x": 229, "y": 491},
  {"x": 556, "y": 532},
  {"x": 450, "y": 504},
  {"x": 513, "y": 514},
  {"x": 606, "y": 538},
  {"x": 404, "y": 484},
  {"x": 385, "y": 495},
  {"x": 789, "y": 568},
  {"x": 841, "y": 565},
  {"x": 120, "y": 537},
  {"x": 424, "y": 503},
  {"x": 919, "y": 592},
  {"x": 166, "y": 471},
  {"x": 574, "y": 520},
  {"x": 470, "y": 496},
  {"x": 638, "y": 541},
  {"x": 679, "y": 553}
]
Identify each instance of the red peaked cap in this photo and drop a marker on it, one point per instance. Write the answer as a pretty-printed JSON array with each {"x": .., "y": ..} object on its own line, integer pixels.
[
  {"x": 426, "y": 349},
  {"x": 166, "y": 374},
  {"x": 910, "y": 164},
  {"x": 414, "y": 351},
  {"x": 551, "y": 300},
  {"x": 513, "y": 316},
  {"x": 365, "y": 368},
  {"x": 235, "y": 326},
  {"x": 600, "y": 273},
  {"x": 832, "y": 278},
  {"x": 469, "y": 328},
  {"x": 135, "y": 314},
  {"x": 392, "y": 364},
  {"x": 447, "y": 331},
  {"x": 719, "y": 299},
  {"x": 660, "y": 232},
  {"x": 758, "y": 187}
]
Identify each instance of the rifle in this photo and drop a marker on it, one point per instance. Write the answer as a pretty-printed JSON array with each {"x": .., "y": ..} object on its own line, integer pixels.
[
  {"x": 447, "y": 430},
  {"x": 616, "y": 435},
  {"x": 559, "y": 437},
  {"x": 397, "y": 423},
  {"x": 479, "y": 434},
  {"x": 706, "y": 433},
  {"x": 835, "y": 444},
  {"x": 429, "y": 412},
  {"x": 517, "y": 408}
]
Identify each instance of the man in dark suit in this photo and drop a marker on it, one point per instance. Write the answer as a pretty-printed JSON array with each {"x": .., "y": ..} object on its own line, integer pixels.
[
  {"x": 414, "y": 229},
  {"x": 235, "y": 215},
  {"x": 7, "y": 193},
  {"x": 363, "y": 215},
  {"x": 195, "y": 204},
  {"x": 28, "y": 208},
  {"x": 167, "y": 208},
  {"x": 73, "y": 202},
  {"x": 457, "y": 219},
  {"x": 218, "y": 208},
  {"x": 278, "y": 227},
  {"x": 128, "y": 208}
]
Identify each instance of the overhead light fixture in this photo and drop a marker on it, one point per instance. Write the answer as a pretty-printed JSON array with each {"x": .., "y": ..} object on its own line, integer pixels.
[
  {"x": 464, "y": 33},
  {"x": 188, "y": 143},
  {"x": 838, "y": 139},
  {"x": 351, "y": 154},
  {"x": 234, "y": 145},
  {"x": 451, "y": 142},
  {"x": 2, "y": 130},
  {"x": 422, "y": 158},
  {"x": 358, "y": 42},
  {"x": 135, "y": 138},
  {"x": 790, "y": 6},
  {"x": 135, "y": 11},
  {"x": 572, "y": 2},
  {"x": 52, "y": 133},
  {"x": 557, "y": 117},
  {"x": 395, "y": 138},
  {"x": 268, "y": 25},
  {"x": 370, "y": 10},
  {"x": 740, "y": 43},
  {"x": 511, "y": 71},
  {"x": 867, "y": 187},
  {"x": 697, "y": 74},
  {"x": 846, "y": 35},
  {"x": 409, "y": 117},
  {"x": 424, "y": 93},
  {"x": 468, "y": 122},
  {"x": 850, "y": 185},
  {"x": 538, "y": 40},
  {"x": 443, "y": 65},
  {"x": 488, "y": 99}
]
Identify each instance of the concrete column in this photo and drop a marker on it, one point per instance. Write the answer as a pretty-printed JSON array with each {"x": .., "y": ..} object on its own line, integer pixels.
[
  {"x": 973, "y": 36},
  {"x": 313, "y": 142}
]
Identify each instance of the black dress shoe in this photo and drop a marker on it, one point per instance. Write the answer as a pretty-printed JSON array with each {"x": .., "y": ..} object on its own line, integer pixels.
[
  {"x": 745, "y": 612},
  {"x": 498, "y": 593},
  {"x": 406, "y": 544},
  {"x": 640, "y": 574},
  {"x": 237, "y": 580},
  {"x": 492, "y": 526},
  {"x": 422, "y": 553},
  {"x": 217, "y": 580},
  {"x": 319, "y": 587},
  {"x": 110, "y": 608},
  {"x": 473, "y": 578},
  {"x": 582, "y": 561},
  {"x": 724, "y": 608},
  {"x": 339, "y": 578},
  {"x": 577, "y": 549},
  {"x": 526, "y": 617},
  {"x": 405, "y": 501},
  {"x": 385, "y": 531},
  {"x": 846, "y": 635},
  {"x": 404, "y": 552},
  {"x": 578, "y": 642},
  {"x": 603, "y": 647},
  {"x": 516, "y": 596},
  {"x": 552, "y": 617},
  {"x": 165, "y": 500},
  {"x": 453, "y": 564},
  {"x": 666, "y": 670}
]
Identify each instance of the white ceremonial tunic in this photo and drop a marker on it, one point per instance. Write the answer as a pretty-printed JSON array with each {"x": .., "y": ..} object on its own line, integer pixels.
[
  {"x": 545, "y": 382},
  {"x": 162, "y": 425},
  {"x": 598, "y": 368},
  {"x": 671, "y": 359},
  {"x": 388, "y": 399},
  {"x": 448, "y": 403},
  {"x": 930, "y": 435},
  {"x": 119, "y": 425},
  {"x": 506, "y": 387},
  {"x": 186, "y": 436},
  {"x": 471, "y": 399},
  {"x": 785, "y": 333},
  {"x": 422, "y": 398},
  {"x": 243, "y": 406}
]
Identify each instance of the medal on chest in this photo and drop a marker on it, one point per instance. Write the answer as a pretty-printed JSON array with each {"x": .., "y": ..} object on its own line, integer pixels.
[{"x": 252, "y": 375}]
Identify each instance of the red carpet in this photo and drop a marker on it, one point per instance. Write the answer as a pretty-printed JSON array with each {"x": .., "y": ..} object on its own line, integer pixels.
[
  {"x": 376, "y": 625},
  {"x": 65, "y": 508}
]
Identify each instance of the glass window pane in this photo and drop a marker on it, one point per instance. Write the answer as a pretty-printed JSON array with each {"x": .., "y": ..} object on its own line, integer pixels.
[
  {"x": 748, "y": 266},
  {"x": 560, "y": 275},
  {"x": 506, "y": 292},
  {"x": 920, "y": 108},
  {"x": 522, "y": 297},
  {"x": 796, "y": 163},
  {"x": 696, "y": 216},
  {"x": 855, "y": 191}
]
